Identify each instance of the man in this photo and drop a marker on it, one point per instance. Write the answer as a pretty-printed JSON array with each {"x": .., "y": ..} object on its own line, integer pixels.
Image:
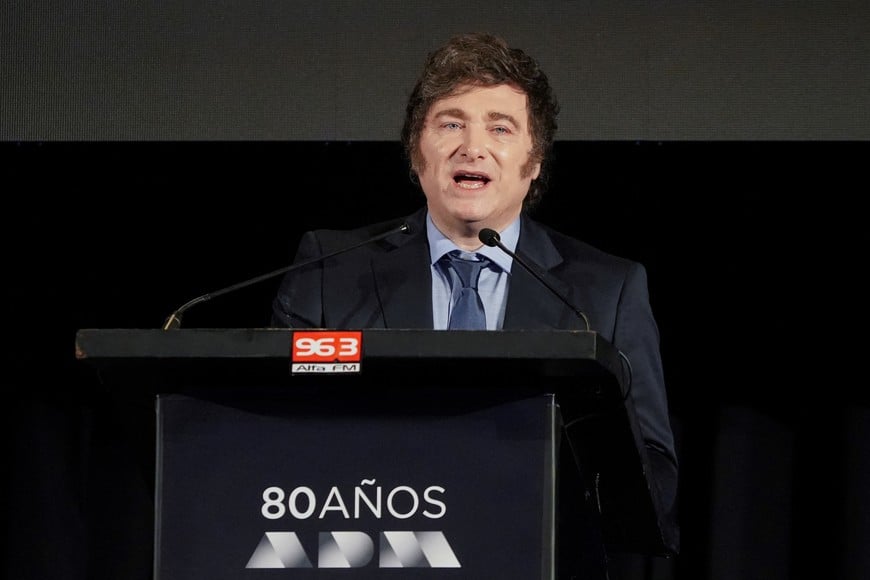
[{"x": 479, "y": 126}]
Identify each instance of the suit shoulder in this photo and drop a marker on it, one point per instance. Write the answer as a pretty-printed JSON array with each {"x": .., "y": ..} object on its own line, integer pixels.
[{"x": 576, "y": 250}]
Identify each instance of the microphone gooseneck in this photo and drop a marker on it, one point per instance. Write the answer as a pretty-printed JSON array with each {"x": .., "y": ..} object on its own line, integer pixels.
[
  {"x": 491, "y": 238},
  {"x": 173, "y": 321}
]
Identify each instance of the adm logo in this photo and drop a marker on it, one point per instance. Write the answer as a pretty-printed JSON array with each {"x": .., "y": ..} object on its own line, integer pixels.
[{"x": 355, "y": 550}]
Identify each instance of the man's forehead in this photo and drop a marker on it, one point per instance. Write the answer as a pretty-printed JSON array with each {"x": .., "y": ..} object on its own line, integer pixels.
[
  {"x": 504, "y": 100},
  {"x": 465, "y": 88}
]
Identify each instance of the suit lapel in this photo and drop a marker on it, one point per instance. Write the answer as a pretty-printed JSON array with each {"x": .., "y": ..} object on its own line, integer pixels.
[
  {"x": 530, "y": 304},
  {"x": 403, "y": 279}
]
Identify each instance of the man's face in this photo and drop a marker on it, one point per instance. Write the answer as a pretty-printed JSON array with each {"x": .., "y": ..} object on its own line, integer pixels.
[{"x": 474, "y": 158}]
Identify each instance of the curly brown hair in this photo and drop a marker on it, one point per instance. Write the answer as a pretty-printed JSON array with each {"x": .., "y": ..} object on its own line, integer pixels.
[{"x": 485, "y": 60}]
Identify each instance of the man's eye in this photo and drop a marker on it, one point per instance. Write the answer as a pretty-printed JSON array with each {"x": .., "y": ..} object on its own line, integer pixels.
[
  {"x": 501, "y": 130},
  {"x": 451, "y": 125}
]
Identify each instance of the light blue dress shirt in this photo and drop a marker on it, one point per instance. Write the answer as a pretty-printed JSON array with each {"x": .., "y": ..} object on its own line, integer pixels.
[{"x": 493, "y": 283}]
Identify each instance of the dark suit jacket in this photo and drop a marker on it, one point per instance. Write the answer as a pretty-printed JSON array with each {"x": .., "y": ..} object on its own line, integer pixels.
[{"x": 387, "y": 284}]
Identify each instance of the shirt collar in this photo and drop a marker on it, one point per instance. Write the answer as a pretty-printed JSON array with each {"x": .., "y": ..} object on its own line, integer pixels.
[{"x": 439, "y": 244}]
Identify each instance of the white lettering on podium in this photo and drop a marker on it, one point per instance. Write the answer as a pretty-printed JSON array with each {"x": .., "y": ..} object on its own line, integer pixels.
[
  {"x": 402, "y": 502},
  {"x": 327, "y": 368}
]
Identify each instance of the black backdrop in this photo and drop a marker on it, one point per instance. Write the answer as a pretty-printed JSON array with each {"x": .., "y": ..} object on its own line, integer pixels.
[{"x": 749, "y": 248}]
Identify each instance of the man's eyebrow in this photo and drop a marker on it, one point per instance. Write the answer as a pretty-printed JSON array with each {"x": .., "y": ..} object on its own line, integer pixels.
[
  {"x": 451, "y": 113},
  {"x": 496, "y": 116},
  {"x": 492, "y": 115}
]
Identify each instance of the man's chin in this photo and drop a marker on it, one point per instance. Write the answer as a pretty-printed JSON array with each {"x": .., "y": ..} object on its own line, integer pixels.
[{"x": 473, "y": 217}]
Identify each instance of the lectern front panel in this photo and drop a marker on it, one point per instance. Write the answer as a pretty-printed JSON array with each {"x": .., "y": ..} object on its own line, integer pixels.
[{"x": 301, "y": 488}]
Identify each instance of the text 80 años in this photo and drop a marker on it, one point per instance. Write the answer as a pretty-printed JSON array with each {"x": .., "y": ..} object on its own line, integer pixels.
[{"x": 364, "y": 500}]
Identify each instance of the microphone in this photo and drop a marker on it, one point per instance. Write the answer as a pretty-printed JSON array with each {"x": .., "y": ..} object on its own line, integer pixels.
[
  {"x": 491, "y": 238},
  {"x": 173, "y": 321}
]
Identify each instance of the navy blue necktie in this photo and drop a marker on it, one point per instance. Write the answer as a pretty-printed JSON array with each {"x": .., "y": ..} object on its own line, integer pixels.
[{"x": 468, "y": 312}]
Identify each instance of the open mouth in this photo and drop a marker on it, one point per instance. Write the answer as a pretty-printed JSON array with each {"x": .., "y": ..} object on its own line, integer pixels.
[{"x": 471, "y": 180}]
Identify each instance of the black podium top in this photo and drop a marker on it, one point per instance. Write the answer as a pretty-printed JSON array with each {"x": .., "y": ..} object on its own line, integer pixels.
[
  {"x": 554, "y": 351},
  {"x": 222, "y": 356}
]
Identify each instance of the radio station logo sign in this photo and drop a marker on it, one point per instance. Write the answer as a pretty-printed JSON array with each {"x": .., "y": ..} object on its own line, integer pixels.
[{"x": 326, "y": 352}]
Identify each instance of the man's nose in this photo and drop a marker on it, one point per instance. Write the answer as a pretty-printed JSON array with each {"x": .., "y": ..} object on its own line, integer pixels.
[{"x": 473, "y": 143}]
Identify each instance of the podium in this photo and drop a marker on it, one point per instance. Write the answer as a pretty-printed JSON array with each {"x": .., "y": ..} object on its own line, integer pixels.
[{"x": 460, "y": 455}]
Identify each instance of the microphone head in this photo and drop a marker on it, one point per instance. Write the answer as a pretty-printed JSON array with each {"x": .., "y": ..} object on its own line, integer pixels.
[{"x": 489, "y": 237}]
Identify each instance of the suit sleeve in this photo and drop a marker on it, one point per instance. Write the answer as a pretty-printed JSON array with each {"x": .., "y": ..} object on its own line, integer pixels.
[{"x": 637, "y": 336}]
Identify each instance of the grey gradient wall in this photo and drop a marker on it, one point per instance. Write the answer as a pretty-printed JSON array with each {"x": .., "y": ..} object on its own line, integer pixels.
[{"x": 341, "y": 70}]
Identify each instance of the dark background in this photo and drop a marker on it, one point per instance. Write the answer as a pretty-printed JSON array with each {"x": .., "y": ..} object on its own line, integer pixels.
[
  {"x": 153, "y": 152},
  {"x": 753, "y": 254}
]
